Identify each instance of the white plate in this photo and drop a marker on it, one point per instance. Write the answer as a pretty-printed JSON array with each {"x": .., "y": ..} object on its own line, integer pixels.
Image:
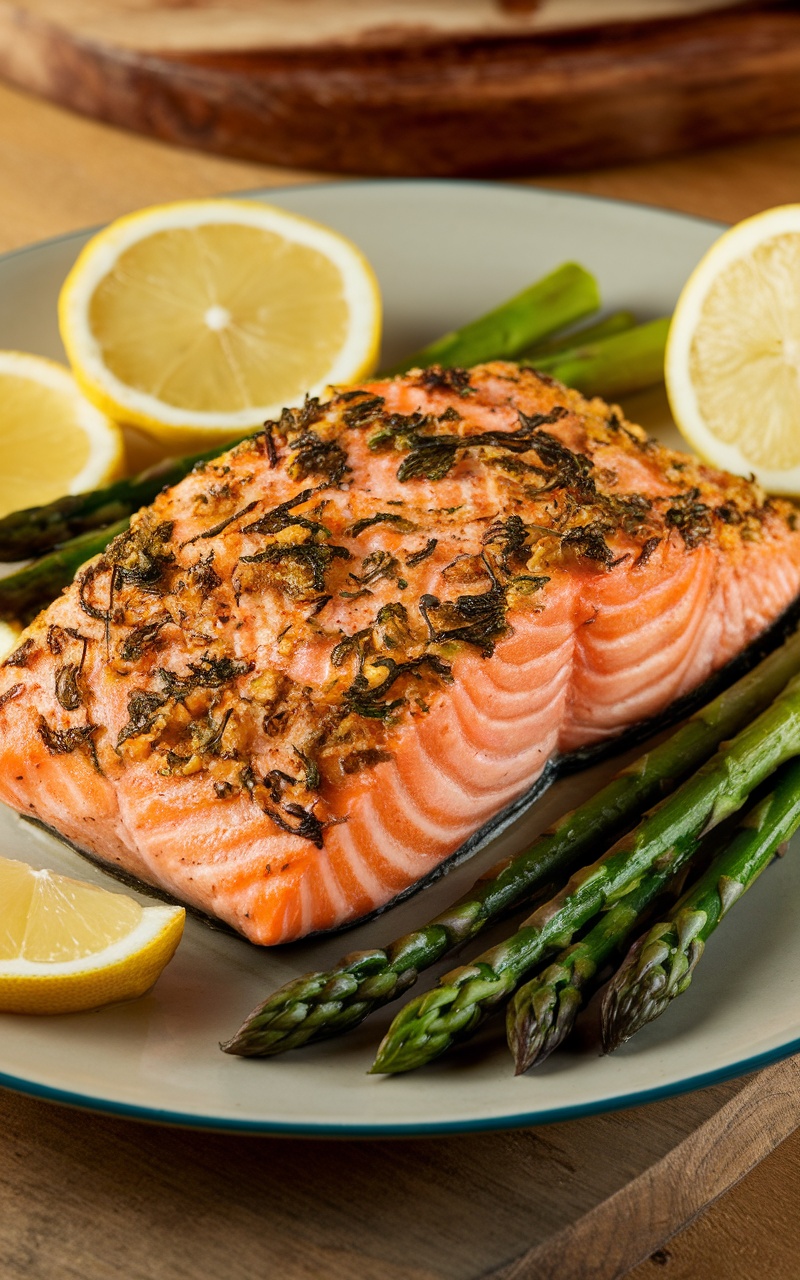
[{"x": 444, "y": 252}]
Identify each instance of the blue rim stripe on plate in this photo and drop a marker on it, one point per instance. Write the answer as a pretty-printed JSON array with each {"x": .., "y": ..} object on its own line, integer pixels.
[{"x": 618, "y": 1102}]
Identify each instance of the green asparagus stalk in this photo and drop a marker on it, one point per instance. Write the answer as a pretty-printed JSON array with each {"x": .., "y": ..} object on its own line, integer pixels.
[
  {"x": 37, "y": 529},
  {"x": 562, "y": 298},
  {"x": 613, "y": 366},
  {"x": 617, "y": 322},
  {"x": 541, "y": 1014},
  {"x": 428, "y": 1025},
  {"x": 319, "y": 1005},
  {"x": 660, "y": 966},
  {"x": 24, "y": 593}
]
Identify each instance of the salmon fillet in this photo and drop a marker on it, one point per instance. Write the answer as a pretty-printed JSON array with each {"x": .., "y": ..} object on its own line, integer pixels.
[{"x": 318, "y": 665}]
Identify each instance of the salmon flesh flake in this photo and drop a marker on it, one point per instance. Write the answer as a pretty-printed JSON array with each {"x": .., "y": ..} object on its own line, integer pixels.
[{"x": 315, "y": 668}]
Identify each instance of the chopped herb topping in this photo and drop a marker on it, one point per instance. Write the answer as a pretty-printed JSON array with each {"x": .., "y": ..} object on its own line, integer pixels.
[
  {"x": 432, "y": 456},
  {"x": 208, "y": 673},
  {"x": 479, "y": 620},
  {"x": 368, "y": 699},
  {"x": 282, "y": 517},
  {"x": 509, "y": 537},
  {"x": 204, "y": 575},
  {"x": 589, "y": 541},
  {"x": 437, "y": 378},
  {"x": 647, "y": 550},
  {"x": 311, "y": 770},
  {"x": 141, "y": 555},
  {"x": 267, "y": 442}
]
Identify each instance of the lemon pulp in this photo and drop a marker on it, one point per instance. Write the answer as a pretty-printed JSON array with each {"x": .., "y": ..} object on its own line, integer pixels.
[
  {"x": 745, "y": 356},
  {"x": 219, "y": 318},
  {"x": 50, "y": 919},
  {"x": 66, "y": 945}
]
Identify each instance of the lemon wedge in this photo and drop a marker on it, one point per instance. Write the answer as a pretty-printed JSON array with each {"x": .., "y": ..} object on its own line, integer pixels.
[
  {"x": 203, "y": 318},
  {"x": 733, "y": 354},
  {"x": 52, "y": 441},
  {"x": 66, "y": 945}
]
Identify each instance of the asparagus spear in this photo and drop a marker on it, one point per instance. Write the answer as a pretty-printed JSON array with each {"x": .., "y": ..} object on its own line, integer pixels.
[
  {"x": 612, "y": 366},
  {"x": 541, "y": 1014},
  {"x": 319, "y": 1005},
  {"x": 24, "y": 593},
  {"x": 37, "y": 529},
  {"x": 661, "y": 964},
  {"x": 566, "y": 295},
  {"x": 431, "y": 1023},
  {"x": 617, "y": 322}
]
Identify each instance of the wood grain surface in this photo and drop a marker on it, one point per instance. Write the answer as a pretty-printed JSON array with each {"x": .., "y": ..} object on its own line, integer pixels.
[
  {"x": 92, "y": 1198},
  {"x": 82, "y": 1195},
  {"x": 752, "y": 1233},
  {"x": 403, "y": 89}
]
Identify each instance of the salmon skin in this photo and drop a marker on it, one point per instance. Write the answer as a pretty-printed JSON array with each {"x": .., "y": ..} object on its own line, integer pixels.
[{"x": 315, "y": 670}]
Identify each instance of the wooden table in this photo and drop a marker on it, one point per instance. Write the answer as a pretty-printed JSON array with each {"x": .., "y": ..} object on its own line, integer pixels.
[{"x": 88, "y": 1198}]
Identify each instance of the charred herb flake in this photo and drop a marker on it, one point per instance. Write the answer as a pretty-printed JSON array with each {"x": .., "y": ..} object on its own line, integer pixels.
[
  {"x": 418, "y": 556},
  {"x": 381, "y": 517},
  {"x": 143, "y": 708},
  {"x": 361, "y": 412},
  {"x": 314, "y": 456},
  {"x": 691, "y": 517},
  {"x": 208, "y": 673},
  {"x": 68, "y": 691},
  {"x": 20, "y": 656},
  {"x": 309, "y": 556},
  {"x": 65, "y": 741},
  {"x": 377, "y": 565},
  {"x": 141, "y": 638}
]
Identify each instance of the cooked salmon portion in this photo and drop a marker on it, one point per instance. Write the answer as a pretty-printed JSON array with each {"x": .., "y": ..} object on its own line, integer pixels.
[{"x": 318, "y": 665}]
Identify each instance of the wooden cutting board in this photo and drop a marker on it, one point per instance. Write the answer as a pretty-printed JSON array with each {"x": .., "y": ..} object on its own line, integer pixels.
[{"x": 417, "y": 87}]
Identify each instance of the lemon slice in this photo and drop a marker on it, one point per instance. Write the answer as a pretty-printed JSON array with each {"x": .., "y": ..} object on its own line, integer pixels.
[
  {"x": 52, "y": 441},
  {"x": 733, "y": 354},
  {"x": 66, "y": 945},
  {"x": 206, "y": 317}
]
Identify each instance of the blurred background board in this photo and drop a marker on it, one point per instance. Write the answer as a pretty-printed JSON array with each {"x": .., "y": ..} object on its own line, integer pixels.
[{"x": 417, "y": 87}]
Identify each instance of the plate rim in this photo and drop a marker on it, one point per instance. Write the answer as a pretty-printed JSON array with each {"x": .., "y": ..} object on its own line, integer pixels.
[
  {"x": 411, "y": 1129},
  {"x": 381, "y": 1129}
]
